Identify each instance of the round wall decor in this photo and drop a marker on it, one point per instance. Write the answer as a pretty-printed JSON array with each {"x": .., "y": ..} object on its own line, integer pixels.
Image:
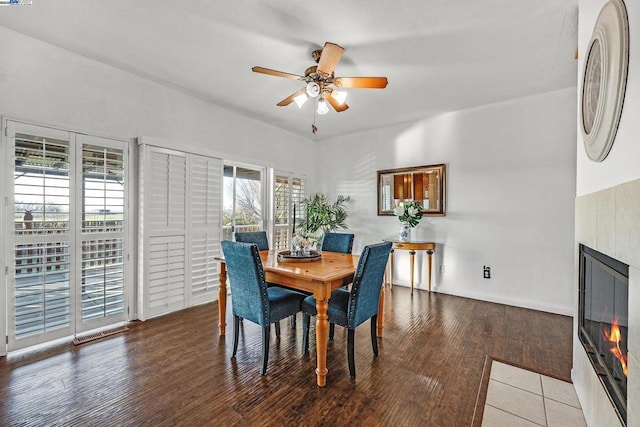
[{"x": 604, "y": 80}]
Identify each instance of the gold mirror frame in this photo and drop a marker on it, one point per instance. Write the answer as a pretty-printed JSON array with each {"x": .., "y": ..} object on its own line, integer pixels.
[{"x": 422, "y": 184}]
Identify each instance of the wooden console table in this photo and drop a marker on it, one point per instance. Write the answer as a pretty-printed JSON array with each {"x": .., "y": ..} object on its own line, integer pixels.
[{"x": 412, "y": 246}]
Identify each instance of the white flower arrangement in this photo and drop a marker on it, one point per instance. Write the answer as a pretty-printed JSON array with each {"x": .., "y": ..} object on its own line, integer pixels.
[
  {"x": 410, "y": 212},
  {"x": 299, "y": 241},
  {"x": 300, "y": 245}
]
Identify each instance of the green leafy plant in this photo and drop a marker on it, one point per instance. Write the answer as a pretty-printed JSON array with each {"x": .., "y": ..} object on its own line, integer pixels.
[
  {"x": 323, "y": 215},
  {"x": 410, "y": 212}
]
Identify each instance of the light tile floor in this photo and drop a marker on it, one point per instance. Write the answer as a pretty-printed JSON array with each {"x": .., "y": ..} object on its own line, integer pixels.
[{"x": 517, "y": 397}]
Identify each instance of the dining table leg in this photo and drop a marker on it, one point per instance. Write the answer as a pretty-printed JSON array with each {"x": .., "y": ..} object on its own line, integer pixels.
[
  {"x": 222, "y": 298},
  {"x": 321, "y": 296}
]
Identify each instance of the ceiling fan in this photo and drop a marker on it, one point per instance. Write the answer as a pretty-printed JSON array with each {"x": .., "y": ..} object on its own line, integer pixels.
[{"x": 321, "y": 82}]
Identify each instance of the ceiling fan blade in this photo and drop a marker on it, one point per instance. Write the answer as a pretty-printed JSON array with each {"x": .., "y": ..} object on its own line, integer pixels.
[
  {"x": 331, "y": 54},
  {"x": 289, "y": 99},
  {"x": 335, "y": 104},
  {"x": 276, "y": 73},
  {"x": 361, "y": 82}
]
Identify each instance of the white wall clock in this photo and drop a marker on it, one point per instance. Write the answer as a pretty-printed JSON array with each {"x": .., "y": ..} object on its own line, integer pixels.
[{"x": 604, "y": 80}]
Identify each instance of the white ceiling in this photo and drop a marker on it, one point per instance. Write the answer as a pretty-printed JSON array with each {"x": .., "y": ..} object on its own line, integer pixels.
[{"x": 439, "y": 55}]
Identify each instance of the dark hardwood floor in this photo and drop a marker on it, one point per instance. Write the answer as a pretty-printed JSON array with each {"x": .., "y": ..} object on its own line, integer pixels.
[{"x": 176, "y": 370}]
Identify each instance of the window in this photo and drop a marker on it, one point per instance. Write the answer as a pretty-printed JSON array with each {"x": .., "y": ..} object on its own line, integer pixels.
[
  {"x": 103, "y": 202},
  {"x": 288, "y": 191},
  {"x": 242, "y": 200},
  {"x": 42, "y": 201}
]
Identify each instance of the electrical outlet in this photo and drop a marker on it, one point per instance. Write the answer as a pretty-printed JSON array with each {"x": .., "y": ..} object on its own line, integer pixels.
[{"x": 487, "y": 272}]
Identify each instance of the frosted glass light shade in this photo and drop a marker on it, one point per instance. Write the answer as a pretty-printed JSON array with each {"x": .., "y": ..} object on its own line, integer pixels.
[
  {"x": 301, "y": 99},
  {"x": 323, "y": 108},
  {"x": 313, "y": 89},
  {"x": 339, "y": 95}
]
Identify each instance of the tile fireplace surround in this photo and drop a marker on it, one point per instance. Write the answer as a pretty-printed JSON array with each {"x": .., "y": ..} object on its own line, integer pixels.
[{"x": 609, "y": 221}]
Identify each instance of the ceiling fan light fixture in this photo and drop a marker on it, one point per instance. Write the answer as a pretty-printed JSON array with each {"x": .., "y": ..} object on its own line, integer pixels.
[
  {"x": 313, "y": 89},
  {"x": 301, "y": 99},
  {"x": 320, "y": 82},
  {"x": 339, "y": 95},
  {"x": 322, "y": 108}
]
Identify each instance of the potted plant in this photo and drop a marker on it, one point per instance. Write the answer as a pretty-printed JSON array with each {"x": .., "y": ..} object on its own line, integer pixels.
[{"x": 322, "y": 215}]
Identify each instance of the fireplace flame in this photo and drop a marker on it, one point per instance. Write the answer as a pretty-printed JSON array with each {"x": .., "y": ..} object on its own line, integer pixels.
[{"x": 615, "y": 337}]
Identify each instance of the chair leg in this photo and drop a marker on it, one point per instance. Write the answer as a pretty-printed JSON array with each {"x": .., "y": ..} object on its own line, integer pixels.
[
  {"x": 351, "y": 336},
  {"x": 236, "y": 334},
  {"x": 292, "y": 321},
  {"x": 374, "y": 338},
  {"x": 277, "y": 325},
  {"x": 332, "y": 329},
  {"x": 306, "y": 323},
  {"x": 265, "y": 348}
]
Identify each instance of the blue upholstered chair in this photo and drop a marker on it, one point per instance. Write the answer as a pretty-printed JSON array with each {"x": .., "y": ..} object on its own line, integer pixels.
[
  {"x": 334, "y": 242},
  {"x": 251, "y": 297},
  {"x": 337, "y": 242},
  {"x": 257, "y": 237},
  {"x": 260, "y": 239},
  {"x": 352, "y": 308}
]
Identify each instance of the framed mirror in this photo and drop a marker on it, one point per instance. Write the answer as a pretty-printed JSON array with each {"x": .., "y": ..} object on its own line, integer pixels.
[{"x": 422, "y": 184}]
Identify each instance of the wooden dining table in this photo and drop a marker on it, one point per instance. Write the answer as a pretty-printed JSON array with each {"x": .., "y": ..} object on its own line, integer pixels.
[{"x": 318, "y": 277}]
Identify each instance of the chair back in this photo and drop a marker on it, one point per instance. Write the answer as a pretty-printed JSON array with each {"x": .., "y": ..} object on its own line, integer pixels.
[
  {"x": 337, "y": 242},
  {"x": 249, "y": 296},
  {"x": 257, "y": 237},
  {"x": 367, "y": 282}
]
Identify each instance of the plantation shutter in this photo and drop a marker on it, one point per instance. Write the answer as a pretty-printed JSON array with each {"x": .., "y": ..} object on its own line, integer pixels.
[
  {"x": 281, "y": 203},
  {"x": 205, "y": 186},
  {"x": 42, "y": 290},
  {"x": 180, "y": 200},
  {"x": 67, "y": 233},
  {"x": 297, "y": 194},
  {"x": 164, "y": 187},
  {"x": 288, "y": 192},
  {"x": 102, "y": 210}
]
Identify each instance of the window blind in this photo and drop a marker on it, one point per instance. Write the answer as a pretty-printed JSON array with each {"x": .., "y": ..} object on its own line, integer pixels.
[
  {"x": 205, "y": 186},
  {"x": 180, "y": 204},
  {"x": 288, "y": 192},
  {"x": 41, "y": 188}
]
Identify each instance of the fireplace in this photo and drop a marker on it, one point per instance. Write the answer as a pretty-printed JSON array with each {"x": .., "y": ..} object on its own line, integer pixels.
[{"x": 604, "y": 323}]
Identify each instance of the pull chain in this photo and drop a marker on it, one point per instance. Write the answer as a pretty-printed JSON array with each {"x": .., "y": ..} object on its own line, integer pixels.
[{"x": 314, "y": 128}]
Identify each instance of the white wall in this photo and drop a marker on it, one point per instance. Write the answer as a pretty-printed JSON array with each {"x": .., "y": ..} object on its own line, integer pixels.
[
  {"x": 45, "y": 84},
  {"x": 615, "y": 173},
  {"x": 511, "y": 186},
  {"x": 621, "y": 165}
]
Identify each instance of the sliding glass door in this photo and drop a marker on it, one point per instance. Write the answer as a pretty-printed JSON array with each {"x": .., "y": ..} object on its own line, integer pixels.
[
  {"x": 242, "y": 200},
  {"x": 102, "y": 232},
  {"x": 40, "y": 298},
  {"x": 66, "y": 234}
]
